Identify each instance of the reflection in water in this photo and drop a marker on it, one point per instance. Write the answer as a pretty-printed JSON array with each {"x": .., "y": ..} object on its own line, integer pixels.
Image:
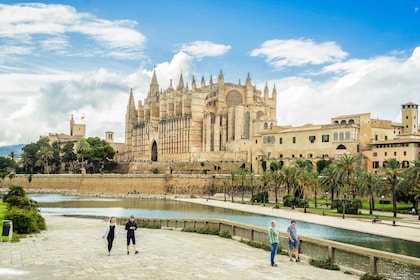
[{"x": 55, "y": 204}]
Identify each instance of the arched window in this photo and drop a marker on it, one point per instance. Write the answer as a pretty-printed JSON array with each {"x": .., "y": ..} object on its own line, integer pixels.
[
  {"x": 265, "y": 125},
  {"x": 343, "y": 122},
  {"x": 341, "y": 147},
  {"x": 351, "y": 121},
  {"x": 335, "y": 136},
  {"x": 341, "y": 136}
]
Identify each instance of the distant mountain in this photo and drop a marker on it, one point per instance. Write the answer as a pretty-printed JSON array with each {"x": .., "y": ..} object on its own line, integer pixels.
[{"x": 5, "y": 150}]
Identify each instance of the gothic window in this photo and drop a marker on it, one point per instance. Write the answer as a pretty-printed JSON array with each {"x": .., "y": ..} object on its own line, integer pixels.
[
  {"x": 233, "y": 98},
  {"x": 247, "y": 125}
]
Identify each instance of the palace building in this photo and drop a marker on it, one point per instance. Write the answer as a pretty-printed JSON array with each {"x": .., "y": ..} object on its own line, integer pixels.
[{"x": 222, "y": 122}]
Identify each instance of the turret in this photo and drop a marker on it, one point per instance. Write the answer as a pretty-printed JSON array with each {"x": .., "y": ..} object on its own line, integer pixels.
[
  {"x": 154, "y": 86},
  {"x": 193, "y": 85},
  {"x": 181, "y": 83},
  {"x": 221, "y": 79},
  {"x": 203, "y": 82}
]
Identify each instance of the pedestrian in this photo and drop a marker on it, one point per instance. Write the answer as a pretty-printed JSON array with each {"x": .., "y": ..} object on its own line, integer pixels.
[
  {"x": 274, "y": 241},
  {"x": 293, "y": 241},
  {"x": 130, "y": 227},
  {"x": 111, "y": 232}
]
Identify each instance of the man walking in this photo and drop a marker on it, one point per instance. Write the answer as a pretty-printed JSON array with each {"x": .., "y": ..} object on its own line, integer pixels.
[
  {"x": 293, "y": 241},
  {"x": 130, "y": 227},
  {"x": 274, "y": 241}
]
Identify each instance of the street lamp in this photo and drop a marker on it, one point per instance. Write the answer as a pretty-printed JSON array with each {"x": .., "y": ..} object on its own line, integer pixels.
[
  {"x": 382, "y": 202},
  {"x": 344, "y": 205},
  {"x": 326, "y": 199}
]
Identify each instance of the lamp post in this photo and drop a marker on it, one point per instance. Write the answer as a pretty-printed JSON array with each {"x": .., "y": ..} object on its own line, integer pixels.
[
  {"x": 344, "y": 205},
  {"x": 326, "y": 199},
  {"x": 382, "y": 202}
]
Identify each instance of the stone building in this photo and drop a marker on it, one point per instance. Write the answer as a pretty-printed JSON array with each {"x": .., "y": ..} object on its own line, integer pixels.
[
  {"x": 373, "y": 140},
  {"x": 208, "y": 122},
  {"x": 77, "y": 132}
]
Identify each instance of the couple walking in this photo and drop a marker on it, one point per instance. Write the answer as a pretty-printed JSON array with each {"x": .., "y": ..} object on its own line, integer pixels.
[
  {"x": 292, "y": 240},
  {"x": 111, "y": 232}
]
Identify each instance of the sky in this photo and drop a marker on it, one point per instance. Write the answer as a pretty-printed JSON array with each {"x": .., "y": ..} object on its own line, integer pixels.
[{"x": 326, "y": 58}]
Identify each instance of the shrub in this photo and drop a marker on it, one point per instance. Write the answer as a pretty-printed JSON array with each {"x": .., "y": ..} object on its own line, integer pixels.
[
  {"x": 260, "y": 197},
  {"x": 25, "y": 221},
  {"x": 324, "y": 263},
  {"x": 352, "y": 206},
  {"x": 260, "y": 245},
  {"x": 369, "y": 276},
  {"x": 203, "y": 230},
  {"x": 287, "y": 200},
  {"x": 225, "y": 234},
  {"x": 155, "y": 170},
  {"x": 144, "y": 224}
]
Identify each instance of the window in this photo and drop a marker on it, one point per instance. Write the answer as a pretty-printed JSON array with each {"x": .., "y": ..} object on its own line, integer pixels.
[
  {"x": 293, "y": 155},
  {"x": 376, "y": 137},
  {"x": 395, "y": 154},
  {"x": 375, "y": 164},
  {"x": 325, "y": 138},
  {"x": 281, "y": 156},
  {"x": 385, "y": 154},
  {"x": 269, "y": 155},
  {"x": 386, "y": 137},
  {"x": 312, "y": 139},
  {"x": 341, "y": 135},
  {"x": 280, "y": 140},
  {"x": 335, "y": 136},
  {"x": 294, "y": 140},
  {"x": 347, "y": 135},
  {"x": 256, "y": 141},
  {"x": 265, "y": 125},
  {"x": 300, "y": 155},
  {"x": 405, "y": 153},
  {"x": 375, "y": 154}
]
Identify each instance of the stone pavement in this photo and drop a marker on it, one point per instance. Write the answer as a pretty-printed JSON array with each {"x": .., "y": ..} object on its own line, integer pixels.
[
  {"x": 407, "y": 227},
  {"x": 73, "y": 248}
]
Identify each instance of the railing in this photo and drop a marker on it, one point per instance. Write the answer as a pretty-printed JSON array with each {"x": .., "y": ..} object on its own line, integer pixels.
[{"x": 391, "y": 265}]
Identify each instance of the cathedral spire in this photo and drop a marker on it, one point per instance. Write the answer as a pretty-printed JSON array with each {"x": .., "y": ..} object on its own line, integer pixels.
[
  {"x": 181, "y": 83},
  {"x": 203, "y": 82},
  {"x": 131, "y": 107},
  {"x": 248, "y": 82},
  {"x": 193, "y": 85},
  {"x": 211, "y": 80},
  {"x": 221, "y": 79},
  {"x": 154, "y": 86}
]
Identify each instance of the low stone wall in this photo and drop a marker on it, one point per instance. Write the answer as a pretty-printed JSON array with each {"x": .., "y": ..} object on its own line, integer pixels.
[{"x": 151, "y": 184}]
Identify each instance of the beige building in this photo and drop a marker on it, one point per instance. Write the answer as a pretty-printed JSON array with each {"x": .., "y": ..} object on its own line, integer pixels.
[
  {"x": 77, "y": 132},
  {"x": 373, "y": 140},
  {"x": 213, "y": 122}
]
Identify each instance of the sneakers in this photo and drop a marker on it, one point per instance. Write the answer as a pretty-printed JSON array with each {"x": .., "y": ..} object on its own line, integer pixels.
[
  {"x": 128, "y": 253},
  {"x": 297, "y": 260},
  {"x": 291, "y": 259},
  {"x": 274, "y": 264},
  {"x": 136, "y": 252}
]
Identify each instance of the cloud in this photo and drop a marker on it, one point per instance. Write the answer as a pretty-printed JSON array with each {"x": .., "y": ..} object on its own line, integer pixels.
[
  {"x": 200, "y": 49},
  {"x": 378, "y": 86},
  {"x": 42, "y": 27},
  {"x": 298, "y": 52}
]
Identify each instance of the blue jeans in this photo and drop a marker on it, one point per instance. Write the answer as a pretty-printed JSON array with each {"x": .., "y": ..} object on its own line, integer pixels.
[{"x": 273, "y": 252}]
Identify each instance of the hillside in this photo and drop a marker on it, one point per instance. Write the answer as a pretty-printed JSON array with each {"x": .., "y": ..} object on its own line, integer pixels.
[{"x": 17, "y": 149}]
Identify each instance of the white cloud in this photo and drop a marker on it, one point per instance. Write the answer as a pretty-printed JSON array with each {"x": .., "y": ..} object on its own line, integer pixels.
[
  {"x": 377, "y": 86},
  {"x": 49, "y": 27},
  {"x": 200, "y": 49},
  {"x": 298, "y": 52}
]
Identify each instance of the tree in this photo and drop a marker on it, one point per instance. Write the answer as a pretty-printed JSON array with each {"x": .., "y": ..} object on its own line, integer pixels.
[
  {"x": 346, "y": 168},
  {"x": 96, "y": 152},
  {"x": 288, "y": 178},
  {"x": 265, "y": 179},
  {"x": 69, "y": 156},
  {"x": 328, "y": 180},
  {"x": 303, "y": 168},
  {"x": 392, "y": 176},
  {"x": 412, "y": 178},
  {"x": 369, "y": 183},
  {"x": 45, "y": 154}
]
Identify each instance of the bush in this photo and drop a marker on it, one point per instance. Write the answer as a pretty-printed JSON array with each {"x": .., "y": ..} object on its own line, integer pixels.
[
  {"x": 324, "y": 263},
  {"x": 260, "y": 245},
  {"x": 369, "y": 276},
  {"x": 155, "y": 170},
  {"x": 144, "y": 224},
  {"x": 260, "y": 197},
  {"x": 24, "y": 221},
  {"x": 287, "y": 200},
  {"x": 203, "y": 230},
  {"x": 225, "y": 234},
  {"x": 352, "y": 206}
]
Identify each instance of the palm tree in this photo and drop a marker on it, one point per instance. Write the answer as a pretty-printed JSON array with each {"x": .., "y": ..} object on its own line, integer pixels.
[
  {"x": 369, "y": 182},
  {"x": 288, "y": 178},
  {"x": 81, "y": 147},
  {"x": 45, "y": 154},
  {"x": 393, "y": 173},
  {"x": 265, "y": 179},
  {"x": 328, "y": 180},
  {"x": 412, "y": 178},
  {"x": 12, "y": 155},
  {"x": 346, "y": 166},
  {"x": 303, "y": 168},
  {"x": 276, "y": 182},
  {"x": 27, "y": 163}
]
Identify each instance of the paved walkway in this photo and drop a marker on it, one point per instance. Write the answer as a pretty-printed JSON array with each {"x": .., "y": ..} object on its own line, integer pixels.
[
  {"x": 407, "y": 227},
  {"x": 73, "y": 248}
]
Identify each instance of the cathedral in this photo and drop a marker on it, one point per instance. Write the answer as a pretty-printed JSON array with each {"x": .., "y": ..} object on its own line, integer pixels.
[{"x": 212, "y": 121}]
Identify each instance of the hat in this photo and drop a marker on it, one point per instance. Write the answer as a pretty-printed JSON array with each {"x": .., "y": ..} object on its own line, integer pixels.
[{"x": 132, "y": 216}]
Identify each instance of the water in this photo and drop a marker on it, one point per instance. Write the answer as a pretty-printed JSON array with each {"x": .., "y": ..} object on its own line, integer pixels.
[{"x": 56, "y": 204}]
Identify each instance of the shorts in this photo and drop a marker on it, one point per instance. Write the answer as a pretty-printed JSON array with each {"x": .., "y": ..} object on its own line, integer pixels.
[
  {"x": 132, "y": 238},
  {"x": 293, "y": 244}
]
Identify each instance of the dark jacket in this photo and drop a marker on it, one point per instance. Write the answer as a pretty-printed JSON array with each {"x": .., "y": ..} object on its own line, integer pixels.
[{"x": 128, "y": 225}]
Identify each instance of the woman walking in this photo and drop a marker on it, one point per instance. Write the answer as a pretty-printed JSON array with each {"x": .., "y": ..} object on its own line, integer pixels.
[{"x": 111, "y": 231}]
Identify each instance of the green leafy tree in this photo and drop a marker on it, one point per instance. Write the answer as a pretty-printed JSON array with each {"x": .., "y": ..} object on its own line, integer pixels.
[
  {"x": 69, "y": 157},
  {"x": 392, "y": 176},
  {"x": 98, "y": 153},
  {"x": 412, "y": 178},
  {"x": 5, "y": 163},
  {"x": 45, "y": 154}
]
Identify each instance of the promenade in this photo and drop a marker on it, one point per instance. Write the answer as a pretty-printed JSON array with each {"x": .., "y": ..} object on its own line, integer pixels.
[{"x": 73, "y": 248}]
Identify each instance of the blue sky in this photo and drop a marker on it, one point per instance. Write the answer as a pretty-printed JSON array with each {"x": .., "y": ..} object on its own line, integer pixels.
[{"x": 326, "y": 58}]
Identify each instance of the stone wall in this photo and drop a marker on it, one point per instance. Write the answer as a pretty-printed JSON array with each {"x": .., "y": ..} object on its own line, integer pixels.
[{"x": 151, "y": 184}]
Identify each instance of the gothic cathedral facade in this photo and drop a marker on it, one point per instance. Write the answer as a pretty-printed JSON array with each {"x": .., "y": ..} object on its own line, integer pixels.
[{"x": 209, "y": 122}]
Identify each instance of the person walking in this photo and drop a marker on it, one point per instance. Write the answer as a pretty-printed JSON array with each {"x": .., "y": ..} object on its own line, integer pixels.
[
  {"x": 293, "y": 241},
  {"x": 130, "y": 227},
  {"x": 111, "y": 232},
  {"x": 274, "y": 241}
]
